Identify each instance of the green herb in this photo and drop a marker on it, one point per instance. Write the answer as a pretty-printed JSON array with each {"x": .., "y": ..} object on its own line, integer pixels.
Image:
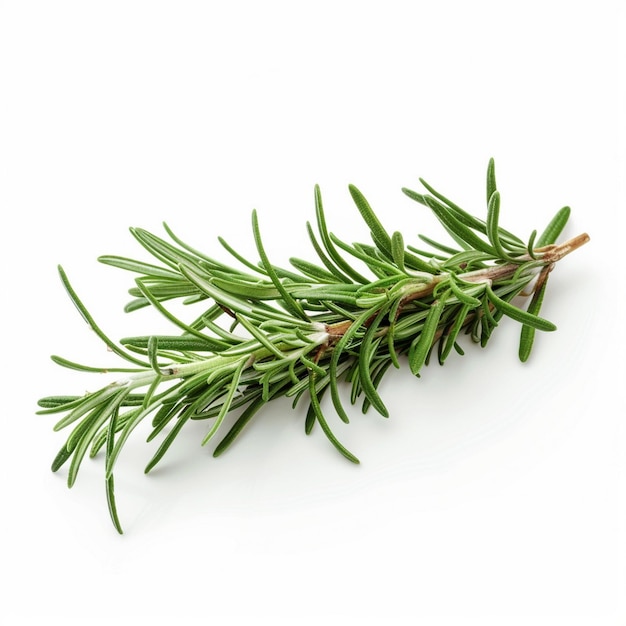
[{"x": 266, "y": 331}]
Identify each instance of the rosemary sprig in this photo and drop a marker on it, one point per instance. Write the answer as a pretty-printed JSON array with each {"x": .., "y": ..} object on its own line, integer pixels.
[{"x": 299, "y": 332}]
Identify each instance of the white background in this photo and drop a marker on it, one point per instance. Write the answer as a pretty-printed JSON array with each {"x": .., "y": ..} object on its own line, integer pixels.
[{"x": 494, "y": 494}]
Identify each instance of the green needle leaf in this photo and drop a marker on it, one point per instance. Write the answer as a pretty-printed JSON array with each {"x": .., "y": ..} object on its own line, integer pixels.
[
  {"x": 379, "y": 234},
  {"x": 421, "y": 345},
  {"x": 243, "y": 420},
  {"x": 110, "y": 481},
  {"x": 491, "y": 180},
  {"x": 493, "y": 228},
  {"x": 518, "y": 314},
  {"x": 367, "y": 355},
  {"x": 527, "y": 336},
  {"x": 322, "y": 421},
  {"x": 288, "y": 300},
  {"x": 397, "y": 250},
  {"x": 554, "y": 228},
  {"x": 228, "y": 400},
  {"x": 92, "y": 324}
]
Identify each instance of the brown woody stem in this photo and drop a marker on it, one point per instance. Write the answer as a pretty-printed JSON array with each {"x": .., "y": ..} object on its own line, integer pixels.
[{"x": 548, "y": 254}]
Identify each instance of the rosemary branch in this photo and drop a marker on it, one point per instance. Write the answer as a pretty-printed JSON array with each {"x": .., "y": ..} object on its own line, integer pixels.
[{"x": 265, "y": 331}]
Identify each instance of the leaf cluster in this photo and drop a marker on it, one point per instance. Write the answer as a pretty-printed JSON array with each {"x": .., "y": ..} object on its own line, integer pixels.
[{"x": 260, "y": 331}]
